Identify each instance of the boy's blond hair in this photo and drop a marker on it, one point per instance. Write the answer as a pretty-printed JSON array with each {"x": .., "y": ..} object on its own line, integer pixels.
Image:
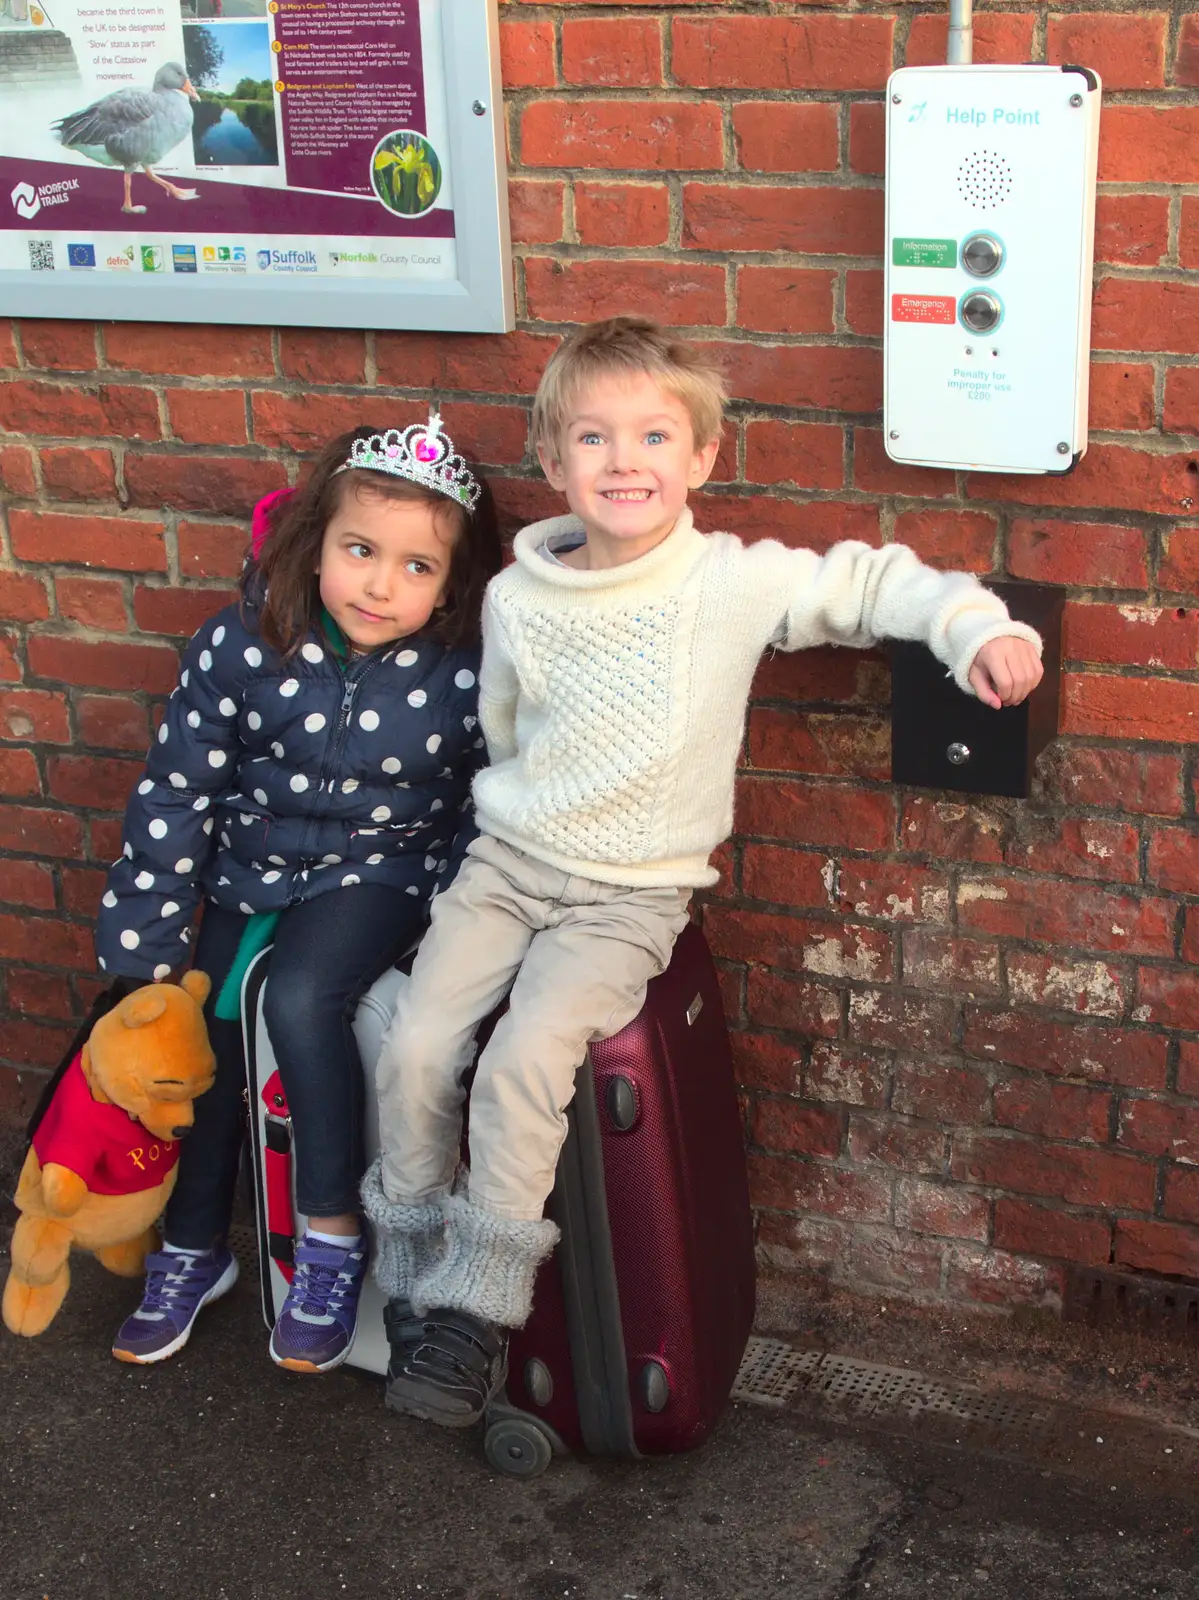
[{"x": 630, "y": 347}]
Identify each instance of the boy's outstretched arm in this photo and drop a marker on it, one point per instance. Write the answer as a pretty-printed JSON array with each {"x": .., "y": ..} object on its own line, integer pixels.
[
  {"x": 858, "y": 594},
  {"x": 1005, "y": 671}
]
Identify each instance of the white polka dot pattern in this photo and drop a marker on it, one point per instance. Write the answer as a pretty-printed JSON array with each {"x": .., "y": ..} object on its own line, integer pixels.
[{"x": 174, "y": 843}]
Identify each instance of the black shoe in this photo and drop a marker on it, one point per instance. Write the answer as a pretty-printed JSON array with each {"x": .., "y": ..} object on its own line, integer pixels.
[
  {"x": 454, "y": 1372},
  {"x": 405, "y": 1330}
]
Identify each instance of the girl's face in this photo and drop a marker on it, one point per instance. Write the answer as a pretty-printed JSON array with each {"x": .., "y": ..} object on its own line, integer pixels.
[{"x": 384, "y": 566}]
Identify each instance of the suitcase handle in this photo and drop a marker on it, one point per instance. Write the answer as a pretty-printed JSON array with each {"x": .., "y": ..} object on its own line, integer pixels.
[{"x": 276, "y": 1159}]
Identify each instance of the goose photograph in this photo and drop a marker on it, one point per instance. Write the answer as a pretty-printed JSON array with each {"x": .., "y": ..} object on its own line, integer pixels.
[{"x": 135, "y": 129}]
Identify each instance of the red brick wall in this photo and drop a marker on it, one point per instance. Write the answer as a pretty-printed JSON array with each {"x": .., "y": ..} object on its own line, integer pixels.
[{"x": 968, "y": 1034}]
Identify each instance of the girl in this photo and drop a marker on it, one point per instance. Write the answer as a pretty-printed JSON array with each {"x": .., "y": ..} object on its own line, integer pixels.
[{"x": 307, "y": 783}]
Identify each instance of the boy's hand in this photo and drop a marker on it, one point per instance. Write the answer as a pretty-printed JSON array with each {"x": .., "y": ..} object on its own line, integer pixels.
[{"x": 1005, "y": 671}]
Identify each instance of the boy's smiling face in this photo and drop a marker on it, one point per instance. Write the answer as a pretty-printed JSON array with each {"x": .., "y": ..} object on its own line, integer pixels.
[{"x": 625, "y": 460}]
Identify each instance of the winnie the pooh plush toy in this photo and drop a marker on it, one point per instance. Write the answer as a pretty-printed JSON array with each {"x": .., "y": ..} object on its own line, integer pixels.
[{"x": 102, "y": 1160}]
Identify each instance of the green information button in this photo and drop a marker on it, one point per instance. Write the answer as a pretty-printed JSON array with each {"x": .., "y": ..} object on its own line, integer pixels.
[{"x": 924, "y": 252}]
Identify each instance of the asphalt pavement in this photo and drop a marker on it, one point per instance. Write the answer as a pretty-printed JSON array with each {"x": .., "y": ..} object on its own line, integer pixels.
[{"x": 215, "y": 1476}]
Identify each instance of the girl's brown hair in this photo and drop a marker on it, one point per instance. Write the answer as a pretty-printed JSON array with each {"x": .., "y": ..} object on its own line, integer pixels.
[{"x": 291, "y": 606}]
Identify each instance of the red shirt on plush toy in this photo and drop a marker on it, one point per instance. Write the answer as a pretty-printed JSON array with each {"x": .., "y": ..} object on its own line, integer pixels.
[{"x": 105, "y": 1146}]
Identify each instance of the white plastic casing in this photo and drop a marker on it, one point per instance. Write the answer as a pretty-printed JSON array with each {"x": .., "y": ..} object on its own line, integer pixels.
[{"x": 1009, "y": 152}]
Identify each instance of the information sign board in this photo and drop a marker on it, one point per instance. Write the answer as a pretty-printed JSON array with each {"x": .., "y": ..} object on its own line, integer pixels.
[{"x": 333, "y": 163}]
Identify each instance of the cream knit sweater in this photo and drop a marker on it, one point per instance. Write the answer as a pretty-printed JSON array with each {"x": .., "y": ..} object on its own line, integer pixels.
[{"x": 613, "y": 702}]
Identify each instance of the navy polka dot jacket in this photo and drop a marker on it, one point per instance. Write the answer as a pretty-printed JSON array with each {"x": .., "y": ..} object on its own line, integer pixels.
[{"x": 271, "y": 783}]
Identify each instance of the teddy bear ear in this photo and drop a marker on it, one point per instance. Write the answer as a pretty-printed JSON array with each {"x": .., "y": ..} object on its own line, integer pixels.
[
  {"x": 197, "y": 984},
  {"x": 142, "y": 1007}
]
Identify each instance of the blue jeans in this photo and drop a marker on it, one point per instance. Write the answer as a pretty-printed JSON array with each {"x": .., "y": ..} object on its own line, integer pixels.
[{"x": 326, "y": 955}]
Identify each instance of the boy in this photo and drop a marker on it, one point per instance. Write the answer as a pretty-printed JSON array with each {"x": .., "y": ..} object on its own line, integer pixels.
[{"x": 618, "y": 654}]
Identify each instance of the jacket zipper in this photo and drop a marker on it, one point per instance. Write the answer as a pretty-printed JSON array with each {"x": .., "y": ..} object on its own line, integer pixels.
[{"x": 328, "y": 771}]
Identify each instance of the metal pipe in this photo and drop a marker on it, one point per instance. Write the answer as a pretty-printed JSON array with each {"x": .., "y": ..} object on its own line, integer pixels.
[{"x": 961, "y": 33}]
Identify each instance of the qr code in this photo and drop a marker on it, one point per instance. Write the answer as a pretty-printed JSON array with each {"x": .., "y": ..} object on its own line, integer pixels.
[{"x": 41, "y": 255}]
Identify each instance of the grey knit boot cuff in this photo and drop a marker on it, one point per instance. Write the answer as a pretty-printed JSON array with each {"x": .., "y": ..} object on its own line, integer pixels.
[
  {"x": 408, "y": 1239},
  {"x": 488, "y": 1266}
]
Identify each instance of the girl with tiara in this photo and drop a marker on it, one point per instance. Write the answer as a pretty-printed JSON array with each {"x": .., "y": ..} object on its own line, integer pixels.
[{"x": 308, "y": 784}]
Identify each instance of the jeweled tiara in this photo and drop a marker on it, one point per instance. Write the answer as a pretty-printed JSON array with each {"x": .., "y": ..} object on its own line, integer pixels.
[{"x": 422, "y": 454}]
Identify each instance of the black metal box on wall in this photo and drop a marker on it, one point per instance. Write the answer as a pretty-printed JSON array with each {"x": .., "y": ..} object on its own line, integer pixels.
[{"x": 944, "y": 739}]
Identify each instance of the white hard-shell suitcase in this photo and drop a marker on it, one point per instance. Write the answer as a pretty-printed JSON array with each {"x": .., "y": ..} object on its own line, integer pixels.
[{"x": 270, "y": 1136}]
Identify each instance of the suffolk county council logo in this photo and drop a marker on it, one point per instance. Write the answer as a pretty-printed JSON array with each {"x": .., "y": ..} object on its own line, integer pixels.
[
  {"x": 152, "y": 259},
  {"x": 264, "y": 260},
  {"x": 81, "y": 255},
  {"x": 183, "y": 257}
]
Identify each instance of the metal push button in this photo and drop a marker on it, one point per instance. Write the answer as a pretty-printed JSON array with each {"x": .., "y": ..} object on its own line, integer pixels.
[
  {"x": 958, "y": 754},
  {"x": 981, "y": 311},
  {"x": 982, "y": 255}
]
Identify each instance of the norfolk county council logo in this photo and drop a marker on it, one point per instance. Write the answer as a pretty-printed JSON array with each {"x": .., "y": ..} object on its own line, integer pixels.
[
  {"x": 183, "y": 257},
  {"x": 353, "y": 258},
  {"x": 152, "y": 258},
  {"x": 81, "y": 255}
]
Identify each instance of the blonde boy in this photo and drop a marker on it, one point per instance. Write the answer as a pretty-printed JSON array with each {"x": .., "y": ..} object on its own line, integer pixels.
[{"x": 618, "y": 654}]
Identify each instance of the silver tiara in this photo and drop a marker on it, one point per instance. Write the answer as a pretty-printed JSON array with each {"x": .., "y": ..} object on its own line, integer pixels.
[{"x": 422, "y": 454}]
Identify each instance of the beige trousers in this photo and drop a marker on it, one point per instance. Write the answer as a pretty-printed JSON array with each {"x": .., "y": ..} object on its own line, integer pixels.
[{"x": 581, "y": 954}]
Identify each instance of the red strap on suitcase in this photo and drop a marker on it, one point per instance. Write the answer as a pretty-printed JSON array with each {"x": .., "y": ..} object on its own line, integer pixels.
[{"x": 276, "y": 1158}]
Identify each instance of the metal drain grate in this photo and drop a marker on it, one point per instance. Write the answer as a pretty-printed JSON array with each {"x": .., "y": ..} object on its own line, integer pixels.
[
  {"x": 772, "y": 1372},
  {"x": 879, "y": 1392},
  {"x": 243, "y": 1241},
  {"x": 1107, "y": 1297}
]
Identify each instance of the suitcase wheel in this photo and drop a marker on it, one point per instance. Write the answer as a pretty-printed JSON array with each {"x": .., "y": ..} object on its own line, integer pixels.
[{"x": 517, "y": 1447}]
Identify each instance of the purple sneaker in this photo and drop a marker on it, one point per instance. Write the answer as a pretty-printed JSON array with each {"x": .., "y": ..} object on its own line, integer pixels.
[
  {"x": 179, "y": 1284},
  {"x": 315, "y": 1328}
]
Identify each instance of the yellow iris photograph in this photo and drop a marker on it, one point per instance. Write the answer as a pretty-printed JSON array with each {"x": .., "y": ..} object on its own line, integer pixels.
[{"x": 406, "y": 173}]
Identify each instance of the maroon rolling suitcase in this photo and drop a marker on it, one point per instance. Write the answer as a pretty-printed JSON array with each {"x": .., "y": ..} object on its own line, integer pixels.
[{"x": 641, "y": 1316}]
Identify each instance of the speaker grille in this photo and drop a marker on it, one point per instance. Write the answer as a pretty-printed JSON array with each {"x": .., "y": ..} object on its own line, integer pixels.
[{"x": 984, "y": 180}]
